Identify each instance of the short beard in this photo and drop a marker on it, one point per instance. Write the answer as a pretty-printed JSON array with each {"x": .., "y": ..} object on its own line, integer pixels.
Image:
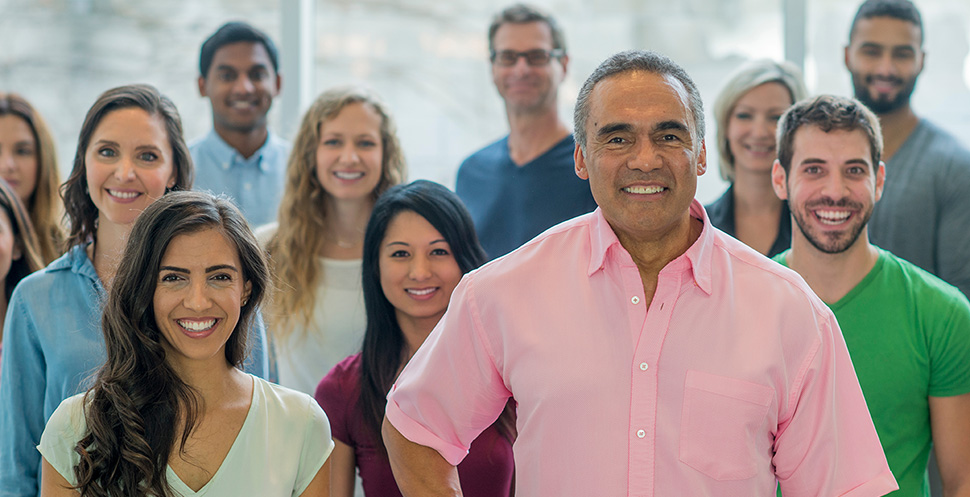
[
  {"x": 836, "y": 246},
  {"x": 886, "y": 105}
]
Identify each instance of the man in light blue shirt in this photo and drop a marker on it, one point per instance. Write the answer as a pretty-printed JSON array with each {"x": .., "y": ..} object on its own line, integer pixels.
[{"x": 238, "y": 72}]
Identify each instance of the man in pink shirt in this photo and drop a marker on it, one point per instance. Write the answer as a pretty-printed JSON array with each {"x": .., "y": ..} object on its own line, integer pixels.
[{"x": 648, "y": 353}]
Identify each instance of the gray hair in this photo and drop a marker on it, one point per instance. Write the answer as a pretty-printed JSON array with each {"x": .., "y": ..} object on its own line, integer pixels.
[
  {"x": 745, "y": 79},
  {"x": 637, "y": 60}
]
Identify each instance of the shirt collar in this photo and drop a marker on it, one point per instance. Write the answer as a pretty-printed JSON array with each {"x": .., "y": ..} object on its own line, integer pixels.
[
  {"x": 223, "y": 153},
  {"x": 697, "y": 259},
  {"x": 76, "y": 260}
]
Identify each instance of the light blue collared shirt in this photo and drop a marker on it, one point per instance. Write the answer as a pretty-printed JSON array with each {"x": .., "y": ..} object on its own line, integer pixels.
[
  {"x": 52, "y": 347},
  {"x": 255, "y": 184}
]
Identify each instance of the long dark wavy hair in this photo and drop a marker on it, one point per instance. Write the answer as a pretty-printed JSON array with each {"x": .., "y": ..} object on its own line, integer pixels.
[
  {"x": 384, "y": 349},
  {"x": 79, "y": 209},
  {"x": 138, "y": 401}
]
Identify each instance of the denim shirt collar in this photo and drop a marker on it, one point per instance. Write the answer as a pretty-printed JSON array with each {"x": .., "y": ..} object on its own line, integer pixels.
[{"x": 76, "y": 260}]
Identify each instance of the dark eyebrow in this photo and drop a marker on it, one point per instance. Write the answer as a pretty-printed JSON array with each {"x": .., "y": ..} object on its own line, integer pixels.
[
  {"x": 870, "y": 44},
  {"x": 106, "y": 142},
  {"x": 397, "y": 243},
  {"x": 670, "y": 125},
  {"x": 209, "y": 269},
  {"x": 813, "y": 160},
  {"x": 612, "y": 128}
]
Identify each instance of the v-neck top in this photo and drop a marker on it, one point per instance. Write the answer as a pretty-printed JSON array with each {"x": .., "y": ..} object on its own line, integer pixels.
[{"x": 281, "y": 446}]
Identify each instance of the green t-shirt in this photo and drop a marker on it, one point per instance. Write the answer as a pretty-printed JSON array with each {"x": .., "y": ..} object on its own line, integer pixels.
[{"x": 908, "y": 333}]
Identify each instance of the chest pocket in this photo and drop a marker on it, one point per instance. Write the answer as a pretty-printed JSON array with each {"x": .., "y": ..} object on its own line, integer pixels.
[{"x": 722, "y": 420}]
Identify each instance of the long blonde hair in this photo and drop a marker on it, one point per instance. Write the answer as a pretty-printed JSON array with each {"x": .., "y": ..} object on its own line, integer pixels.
[
  {"x": 295, "y": 247},
  {"x": 44, "y": 204}
]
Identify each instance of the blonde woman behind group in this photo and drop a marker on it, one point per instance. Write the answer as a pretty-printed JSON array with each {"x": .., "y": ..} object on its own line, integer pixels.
[
  {"x": 747, "y": 112},
  {"x": 28, "y": 162},
  {"x": 345, "y": 155}
]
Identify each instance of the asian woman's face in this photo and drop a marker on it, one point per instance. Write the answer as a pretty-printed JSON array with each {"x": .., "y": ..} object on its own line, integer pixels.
[{"x": 418, "y": 269}]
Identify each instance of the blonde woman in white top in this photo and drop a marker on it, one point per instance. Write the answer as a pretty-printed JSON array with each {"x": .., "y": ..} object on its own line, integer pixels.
[{"x": 345, "y": 155}]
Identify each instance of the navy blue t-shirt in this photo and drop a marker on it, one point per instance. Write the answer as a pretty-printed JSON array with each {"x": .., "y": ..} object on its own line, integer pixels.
[{"x": 512, "y": 204}]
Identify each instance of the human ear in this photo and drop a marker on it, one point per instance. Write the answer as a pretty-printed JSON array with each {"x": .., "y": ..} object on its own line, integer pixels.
[
  {"x": 580, "y": 162},
  {"x": 247, "y": 291},
  {"x": 779, "y": 180}
]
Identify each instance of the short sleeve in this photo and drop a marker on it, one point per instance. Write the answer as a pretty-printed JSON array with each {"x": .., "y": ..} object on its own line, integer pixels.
[
  {"x": 451, "y": 389},
  {"x": 950, "y": 347},
  {"x": 333, "y": 394},
  {"x": 317, "y": 445},
  {"x": 830, "y": 431},
  {"x": 64, "y": 429}
]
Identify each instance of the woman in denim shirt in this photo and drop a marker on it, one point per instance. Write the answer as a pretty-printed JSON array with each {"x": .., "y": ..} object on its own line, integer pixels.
[{"x": 130, "y": 152}]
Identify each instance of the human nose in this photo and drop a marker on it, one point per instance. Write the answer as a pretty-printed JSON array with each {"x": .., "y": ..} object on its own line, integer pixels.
[
  {"x": 884, "y": 65},
  {"x": 646, "y": 156},
  {"x": 834, "y": 186},
  {"x": 243, "y": 85},
  {"x": 521, "y": 64},
  {"x": 196, "y": 298},
  {"x": 125, "y": 170},
  {"x": 348, "y": 155},
  {"x": 420, "y": 269},
  {"x": 6, "y": 162},
  {"x": 765, "y": 128}
]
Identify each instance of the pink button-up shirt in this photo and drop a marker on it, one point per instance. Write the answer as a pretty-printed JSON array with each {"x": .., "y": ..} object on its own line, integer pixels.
[{"x": 734, "y": 377}]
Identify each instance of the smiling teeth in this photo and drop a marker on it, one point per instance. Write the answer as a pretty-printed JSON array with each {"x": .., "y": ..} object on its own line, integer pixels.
[
  {"x": 644, "y": 190},
  {"x": 241, "y": 104},
  {"x": 426, "y": 291},
  {"x": 832, "y": 217},
  {"x": 196, "y": 325},
  {"x": 346, "y": 175},
  {"x": 124, "y": 195}
]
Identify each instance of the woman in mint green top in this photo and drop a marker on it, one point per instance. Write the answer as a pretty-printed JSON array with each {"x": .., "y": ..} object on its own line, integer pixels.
[{"x": 170, "y": 412}]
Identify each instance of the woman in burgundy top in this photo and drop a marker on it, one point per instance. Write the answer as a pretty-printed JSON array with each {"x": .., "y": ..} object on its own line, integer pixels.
[{"x": 419, "y": 242}]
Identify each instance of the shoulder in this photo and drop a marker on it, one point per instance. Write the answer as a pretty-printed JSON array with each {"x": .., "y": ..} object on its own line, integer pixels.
[
  {"x": 923, "y": 285},
  {"x": 286, "y": 405},
  {"x": 67, "y": 423},
  {"x": 344, "y": 376},
  {"x": 562, "y": 250},
  {"x": 743, "y": 272},
  {"x": 488, "y": 154},
  {"x": 59, "y": 275},
  {"x": 937, "y": 144}
]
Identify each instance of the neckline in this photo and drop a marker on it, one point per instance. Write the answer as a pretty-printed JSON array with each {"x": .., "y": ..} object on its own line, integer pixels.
[{"x": 175, "y": 481}]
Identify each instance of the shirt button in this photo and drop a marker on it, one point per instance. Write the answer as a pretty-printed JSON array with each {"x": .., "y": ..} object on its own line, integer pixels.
[
  {"x": 225, "y": 166},
  {"x": 635, "y": 299},
  {"x": 644, "y": 366},
  {"x": 248, "y": 186},
  {"x": 641, "y": 433}
]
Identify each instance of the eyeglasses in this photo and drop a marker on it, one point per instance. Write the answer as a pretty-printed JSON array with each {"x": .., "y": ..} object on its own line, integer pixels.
[{"x": 535, "y": 58}]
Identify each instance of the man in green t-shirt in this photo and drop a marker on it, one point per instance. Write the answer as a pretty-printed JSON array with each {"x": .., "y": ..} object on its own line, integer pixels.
[{"x": 908, "y": 332}]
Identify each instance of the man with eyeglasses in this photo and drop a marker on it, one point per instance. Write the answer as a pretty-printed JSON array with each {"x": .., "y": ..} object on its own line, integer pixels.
[{"x": 524, "y": 183}]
